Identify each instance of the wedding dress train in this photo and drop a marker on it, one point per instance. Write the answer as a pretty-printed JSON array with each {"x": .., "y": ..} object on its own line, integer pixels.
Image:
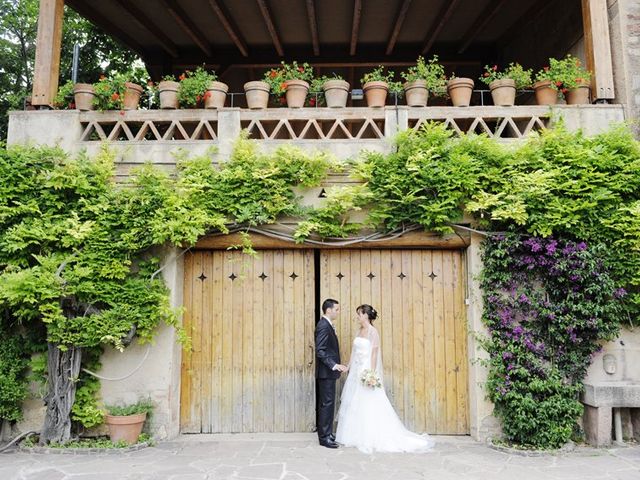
[{"x": 366, "y": 419}]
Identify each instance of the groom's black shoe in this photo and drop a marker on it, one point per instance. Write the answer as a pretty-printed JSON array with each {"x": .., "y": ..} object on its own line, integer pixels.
[
  {"x": 328, "y": 443},
  {"x": 332, "y": 437}
]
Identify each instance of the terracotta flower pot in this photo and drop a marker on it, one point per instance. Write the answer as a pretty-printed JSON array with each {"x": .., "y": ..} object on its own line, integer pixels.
[
  {"x": 578, "y": 96},
  {"x": 460, "y": 90},
  {"x": 376, "y": 93},
  {"x": 416, "y": 93},
  {"x": 131, "y": 96},
  {"x": 503, "y": 92},
  {"x": 257, "y": 94},
  {"x": 127, "y": 428},
  {"x": 296, "y": 93},
  {"x": 545, "y": 95},
  {"x": 336, "y": 93},
  {"x": 168, "y": 92},
  {"x": 216, "y": 95},
  {"x": 83, "y": 95}
]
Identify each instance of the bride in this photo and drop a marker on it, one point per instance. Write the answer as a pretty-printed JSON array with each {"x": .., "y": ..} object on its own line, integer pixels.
[{"x": 366, "y": 419}]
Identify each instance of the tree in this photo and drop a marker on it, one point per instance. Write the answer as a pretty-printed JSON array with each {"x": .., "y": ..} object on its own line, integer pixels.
[{"x": 18, "y": 30}]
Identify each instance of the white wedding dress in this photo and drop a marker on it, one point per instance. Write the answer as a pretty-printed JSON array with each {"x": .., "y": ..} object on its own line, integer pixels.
[{"x": 366, "y": 419}]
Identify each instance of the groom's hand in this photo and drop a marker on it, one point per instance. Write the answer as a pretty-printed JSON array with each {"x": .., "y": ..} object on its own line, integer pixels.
[{"x": 341, "y": 368}]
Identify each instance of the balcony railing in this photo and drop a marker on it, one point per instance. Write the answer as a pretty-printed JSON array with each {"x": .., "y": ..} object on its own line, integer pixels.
[{"x": 154, "y": 135}]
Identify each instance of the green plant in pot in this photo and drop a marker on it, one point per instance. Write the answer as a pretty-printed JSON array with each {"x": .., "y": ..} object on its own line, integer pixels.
[
  {"x": 334, "y": 88},
  {"x": 571, "y": 79},
  {"x": 291, "y": 80},
  {"x": 125, "y": 422},
  {"x": 64, "y": 99},
  {"x": 109, "y": 92},
  {"x": 135, "y": 80},
  {"x": 194, "y": 86},
  {"x": 377, "y": 84},
  {"x": 504, "y": 84},
  {"x": 422, "y": 78}
]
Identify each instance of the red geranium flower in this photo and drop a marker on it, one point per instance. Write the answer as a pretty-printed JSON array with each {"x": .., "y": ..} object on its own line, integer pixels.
[
  {"x": 273, "y": 74},
  {"x": 197, "y": 98},
  {"x": 558, "y": 84},
  {"x": 486, "y": 74},
  {"x": 122, "y": 112},
  {"x": 182, "y": 77},
  {"x": 72, "y": 106},
  {"x": 283, "y": 85},
  {"x": 301, "y": 69},
  {"x": 115, "y": 96},
  {"x": 546, "y": 69},
  {"x": 312, "y": 102},
  {"x": 564, "y": 90},
  {"x": 283, "y": 101}
]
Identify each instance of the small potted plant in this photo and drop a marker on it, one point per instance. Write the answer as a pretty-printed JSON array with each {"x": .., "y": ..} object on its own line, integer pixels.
[
  {"x": 216, "y": 94},
  {"x": 257, "y": 92},
  {"x": 377, "y": 84},
  {"x": 126, "y": 422},
  {"x": 421, "y": 79},
  {"x": 572, "y": 79},
  {"x": 335, "y": 88},
  {"x": 193, "y": 87},
  {"x": 64, "y": 99},
  {"x": 168, "y": 92},
  {"x": 84, "y": 95},
  {"x": 109, "y": 92},
  {"x": 460, "y": 90},
  {"x": 134, "y": 79},
  {"x": 503, "y": 85},
  {"x": 544, "y": 87},
  {"x": 292, "y": 81}
]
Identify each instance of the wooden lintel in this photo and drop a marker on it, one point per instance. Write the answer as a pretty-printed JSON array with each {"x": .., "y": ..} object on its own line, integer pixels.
[
  {"x": 483, "y": 19},
  {"x": 144, "y": 22},
  {"x": 47, "y": 63},
  {"x": 597, "y": 44},
  {"x": 355, "y": 26},
  {"x": 414, "y": 239},
  {"x": 231, "y": 29},
  {"x": 266, "y": 14},
  {"x": 313, "y": 26},
  {"x": 402, "y": 13},
  {"x": 182, "y": 19},
  {"x": 440, "y": 21}
]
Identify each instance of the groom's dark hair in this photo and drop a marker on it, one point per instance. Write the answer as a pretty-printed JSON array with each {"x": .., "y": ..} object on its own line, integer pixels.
[{"x": 329, "y": 303}]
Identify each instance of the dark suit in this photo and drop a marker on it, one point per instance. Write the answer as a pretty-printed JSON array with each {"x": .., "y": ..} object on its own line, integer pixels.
[{"x": 327, "y": 356}]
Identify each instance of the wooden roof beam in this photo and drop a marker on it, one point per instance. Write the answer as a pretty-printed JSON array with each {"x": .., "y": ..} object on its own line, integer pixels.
[
  {"x": 144, "y": 22},
  {"x": 187, "y": 25},
  {"x": 313, "y": 26},
  {"x": 483, "y": 19},
  {"x": 526, "y": 18},
  {"x": 231, "y": 29},
  {"x": 402, "y": 13},
  {"x": 84, "y": 9},
  {"x": 355, "y": 26},
  {"x": 264, "y": 9},
  {"x": 445, "y": 13}
]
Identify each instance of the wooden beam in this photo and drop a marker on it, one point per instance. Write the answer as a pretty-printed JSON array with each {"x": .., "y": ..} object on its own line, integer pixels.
[
  {"x": 182, "y": 19},
  {"x": 231, "y": 29},
  {"x": 445, "y": 13},
  {"x": 144, "y": 22},
  {"x": 264, "y": 9},
  {"x": 415, "y": 239},
  {"x": 47, "y": 63},
  {"x": 313, "y": 26},
  {"x": 355, "y": 26},
  {"x": 526, "y": 18},
  {"x": 402, "y": 13},
  {"x": 99, "y": 20},
  {"x": 597, "y": 44},
  {"x": 483, "y": 19}
]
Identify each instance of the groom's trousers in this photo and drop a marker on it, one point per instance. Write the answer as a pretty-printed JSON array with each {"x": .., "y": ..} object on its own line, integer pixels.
[{"x": 326, "y": 399}]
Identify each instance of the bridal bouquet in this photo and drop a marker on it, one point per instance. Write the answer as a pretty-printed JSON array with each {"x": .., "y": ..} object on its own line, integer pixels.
[{"x": 369, "y": 378}]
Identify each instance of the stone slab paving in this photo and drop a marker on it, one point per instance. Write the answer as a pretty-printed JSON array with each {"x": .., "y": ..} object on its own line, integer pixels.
[{"x": 299, "y": 457}]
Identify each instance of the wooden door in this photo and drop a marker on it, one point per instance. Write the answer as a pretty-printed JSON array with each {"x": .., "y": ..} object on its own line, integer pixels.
[
  {"x": 419, "y": 295},
  {"x": 251, "y": 321}
]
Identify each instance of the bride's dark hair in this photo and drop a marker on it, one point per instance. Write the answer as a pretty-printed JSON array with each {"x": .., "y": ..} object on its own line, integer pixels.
[{"x": 368, "y": 310}]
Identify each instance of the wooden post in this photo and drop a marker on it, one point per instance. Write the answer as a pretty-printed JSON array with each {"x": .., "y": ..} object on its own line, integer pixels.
[
  {"x": 597, "y": 44},
  {"x": 47, "y": 66}
]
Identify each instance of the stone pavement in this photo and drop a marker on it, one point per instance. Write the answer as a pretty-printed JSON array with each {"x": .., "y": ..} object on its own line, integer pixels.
[{"x": 298, "y": 457}]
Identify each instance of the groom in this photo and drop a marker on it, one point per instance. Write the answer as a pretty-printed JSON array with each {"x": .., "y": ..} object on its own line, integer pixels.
[{"x": 328, "y": 369}]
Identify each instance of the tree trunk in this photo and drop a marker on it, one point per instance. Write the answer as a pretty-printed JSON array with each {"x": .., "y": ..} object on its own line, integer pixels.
[{"x": 64, "y": 368}]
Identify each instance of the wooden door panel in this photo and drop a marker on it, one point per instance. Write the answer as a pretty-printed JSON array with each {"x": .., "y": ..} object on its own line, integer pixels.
[{"x": 419, "y": 295}]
